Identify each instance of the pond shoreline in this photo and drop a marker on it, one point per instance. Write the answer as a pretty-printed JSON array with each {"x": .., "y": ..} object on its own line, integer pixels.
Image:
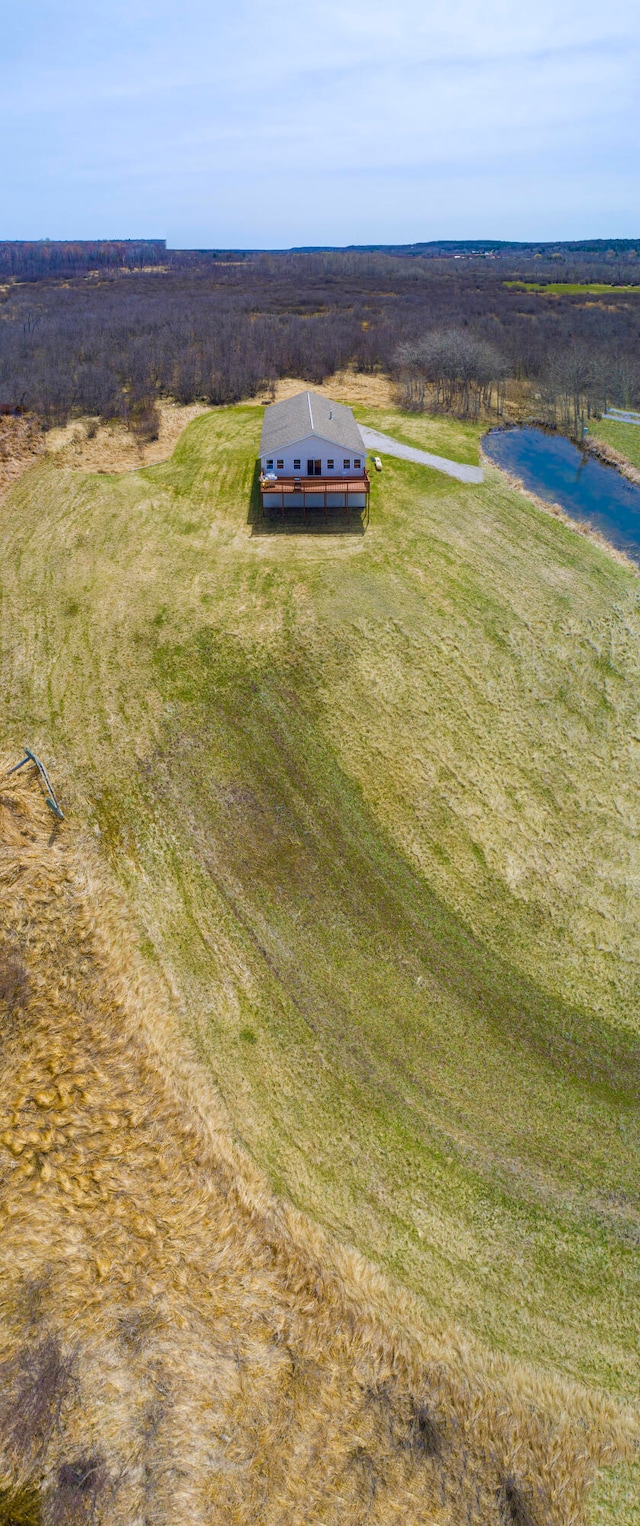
[
  {"x": 609, "y": 456},
  {"x": 606, "y": 454},
  {"x": 588, "y": 532}
]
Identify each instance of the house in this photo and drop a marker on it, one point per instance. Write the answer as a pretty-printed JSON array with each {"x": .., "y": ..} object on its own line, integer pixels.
[{"x": 312, "y": 455}]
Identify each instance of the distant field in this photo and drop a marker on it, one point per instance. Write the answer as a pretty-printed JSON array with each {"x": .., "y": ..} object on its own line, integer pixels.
[
  {"x": 374, "y": 801},
  {"x": 572, "y": 288}
]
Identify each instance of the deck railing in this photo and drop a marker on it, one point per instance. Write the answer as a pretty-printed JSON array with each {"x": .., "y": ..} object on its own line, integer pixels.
[
  {"x": 300, "y": 484},
  {"x": 316, "y": 492}
]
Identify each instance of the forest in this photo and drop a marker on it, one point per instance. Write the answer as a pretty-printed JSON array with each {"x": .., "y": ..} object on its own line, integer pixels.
[{"x": 108, "y": 329}]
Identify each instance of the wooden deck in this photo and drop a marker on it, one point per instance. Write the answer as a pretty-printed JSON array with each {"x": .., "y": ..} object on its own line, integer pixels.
[{"x": 315, "y": 493}]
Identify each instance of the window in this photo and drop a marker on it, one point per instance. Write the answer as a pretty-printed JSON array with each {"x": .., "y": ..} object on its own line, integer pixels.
[
  {"x": 296, "y": 466},
  {"x": 280, "y": 465},
  {"x": 318, "y": 468},
  {"x": 329, "y": 466},
  {"x": 269, "y": 466},
  {"x": 356, "y": 460},
  {"x": 346, "y": 465}
]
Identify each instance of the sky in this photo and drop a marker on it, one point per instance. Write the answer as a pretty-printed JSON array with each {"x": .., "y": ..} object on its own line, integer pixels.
[{"x": 272, "y": 123}]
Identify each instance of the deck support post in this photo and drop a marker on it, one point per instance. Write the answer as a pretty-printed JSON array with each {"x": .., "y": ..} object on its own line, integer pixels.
[{"x": 269, "y": 491}]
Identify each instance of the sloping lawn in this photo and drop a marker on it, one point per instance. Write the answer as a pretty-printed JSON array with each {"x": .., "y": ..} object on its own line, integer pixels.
[
  {"x": 623, "y": 437},
  {"x": 374, "y": 802}
]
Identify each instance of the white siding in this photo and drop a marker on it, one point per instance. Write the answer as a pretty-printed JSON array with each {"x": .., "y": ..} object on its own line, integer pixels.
[{"x": 315, "y": 449}]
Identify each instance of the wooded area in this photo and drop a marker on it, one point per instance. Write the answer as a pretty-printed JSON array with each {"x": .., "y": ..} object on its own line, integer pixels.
[{"x": 107, "y": 329}]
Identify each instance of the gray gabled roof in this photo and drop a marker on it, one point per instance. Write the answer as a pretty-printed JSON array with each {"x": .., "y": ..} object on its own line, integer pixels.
[{"x": 308, "y": 413}]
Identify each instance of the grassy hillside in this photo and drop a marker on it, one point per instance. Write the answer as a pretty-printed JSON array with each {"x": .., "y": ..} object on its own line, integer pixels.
[
  {"x": 174, "y": 1344},
  {"x": 623, "y": 437},
  {"x": 374, "y": 799}
]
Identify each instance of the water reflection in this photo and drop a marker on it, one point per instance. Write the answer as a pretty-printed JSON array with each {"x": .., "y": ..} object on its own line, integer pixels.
[{"x": 555, "y": 469}]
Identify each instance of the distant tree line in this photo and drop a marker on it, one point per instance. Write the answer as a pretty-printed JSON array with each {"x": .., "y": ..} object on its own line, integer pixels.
[
  {"x": 111, "y": 340},
  {"x": 38, "y": 259}
]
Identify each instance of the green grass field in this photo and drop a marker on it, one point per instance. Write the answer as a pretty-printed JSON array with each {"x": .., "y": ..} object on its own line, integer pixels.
[
  {"x": 572, "y": 288},
  {"x": 623, "y": 437},
  {"x": 374, "y": 801}
]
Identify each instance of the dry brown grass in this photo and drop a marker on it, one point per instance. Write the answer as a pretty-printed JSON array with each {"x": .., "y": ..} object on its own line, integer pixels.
[
  {"x": 87, "y": 445},
  {"x": 606, "y": 452},
  {"x": 21, "y": 442},
  {"x": 175, "y": 1346},
  {"x": 358, "y": 389}
]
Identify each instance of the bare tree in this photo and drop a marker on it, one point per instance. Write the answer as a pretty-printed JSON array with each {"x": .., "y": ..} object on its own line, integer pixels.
[{"x": 462, "y": 373}]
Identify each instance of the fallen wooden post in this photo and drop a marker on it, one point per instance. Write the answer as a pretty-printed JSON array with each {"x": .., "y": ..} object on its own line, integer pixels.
[{"x": 30, "y": 757}]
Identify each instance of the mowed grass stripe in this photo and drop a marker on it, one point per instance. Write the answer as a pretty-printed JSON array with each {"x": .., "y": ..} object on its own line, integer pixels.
[{"x": 374, "y": 801}]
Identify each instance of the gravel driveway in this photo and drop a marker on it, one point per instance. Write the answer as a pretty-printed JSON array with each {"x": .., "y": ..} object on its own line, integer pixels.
[{"x": 387, "y": 446}]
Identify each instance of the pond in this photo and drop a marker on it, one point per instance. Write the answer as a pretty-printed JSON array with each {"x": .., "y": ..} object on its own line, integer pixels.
[{"x": 554, "y": 468}]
